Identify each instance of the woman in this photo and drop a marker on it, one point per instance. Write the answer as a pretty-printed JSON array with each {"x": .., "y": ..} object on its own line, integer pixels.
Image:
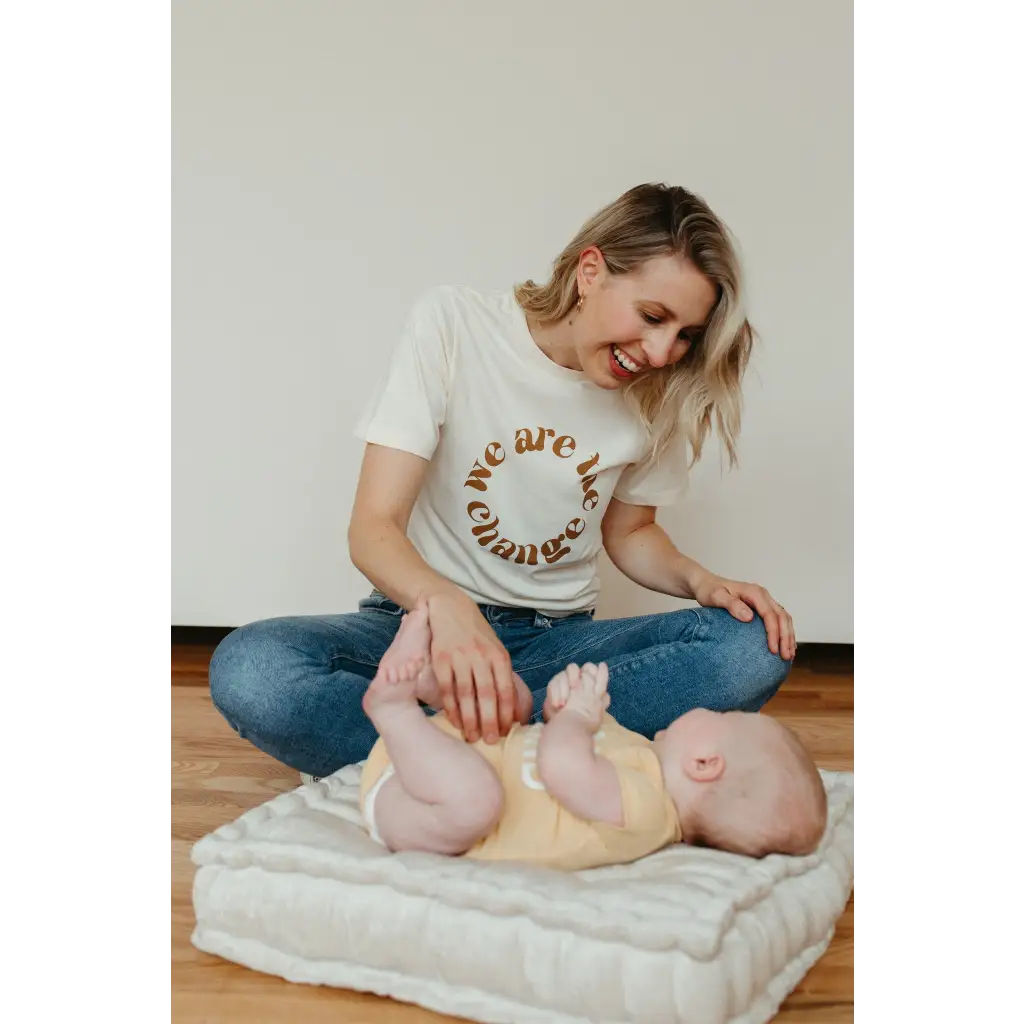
[{"x": 515, "y": 435}]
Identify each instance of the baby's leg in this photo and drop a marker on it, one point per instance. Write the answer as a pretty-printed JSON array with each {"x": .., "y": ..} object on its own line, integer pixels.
[{"x": 443, "y": 796}]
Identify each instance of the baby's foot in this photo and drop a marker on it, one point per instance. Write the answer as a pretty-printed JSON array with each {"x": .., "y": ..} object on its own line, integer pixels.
[
  {"x": 558, "y": 690},
  {"x": 588, "y": 693},
  {"x": 412, "y": 642},
  {"x": 393, "y": 688}
]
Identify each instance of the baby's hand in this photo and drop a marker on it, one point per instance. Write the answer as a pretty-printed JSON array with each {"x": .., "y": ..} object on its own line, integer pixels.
[{"x": 583, "y": 692}]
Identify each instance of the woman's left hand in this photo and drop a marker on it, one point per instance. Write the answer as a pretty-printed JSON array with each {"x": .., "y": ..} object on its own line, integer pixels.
[{"x": 738, "y": 599}]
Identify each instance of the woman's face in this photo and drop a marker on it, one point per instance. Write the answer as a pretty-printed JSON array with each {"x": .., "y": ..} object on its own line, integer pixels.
[{"x": 632, "y": 323}]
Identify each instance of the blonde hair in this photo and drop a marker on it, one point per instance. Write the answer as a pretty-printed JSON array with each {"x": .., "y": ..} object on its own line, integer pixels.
[{"x": 656, "y": 220}]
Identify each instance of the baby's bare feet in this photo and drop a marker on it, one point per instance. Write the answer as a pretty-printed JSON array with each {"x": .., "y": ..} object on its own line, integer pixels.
[
  {"x": 587, "y": 694},
  {"x": 391, "y": 688},
  {"x": 412, "y": 642},
  {"x": 558, "y": 690}
]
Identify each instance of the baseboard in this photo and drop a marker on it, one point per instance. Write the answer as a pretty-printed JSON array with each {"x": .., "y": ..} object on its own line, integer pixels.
[
  {"x": 202, "y": 636},
  {"x": 814, "y": 657},
  {"x": 836, "y": 658}
]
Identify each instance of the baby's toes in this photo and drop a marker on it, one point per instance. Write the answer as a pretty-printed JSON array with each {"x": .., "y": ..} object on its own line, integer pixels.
[
  {"x": 558, "y": 689},
  {"x": 590, "y": 679}
]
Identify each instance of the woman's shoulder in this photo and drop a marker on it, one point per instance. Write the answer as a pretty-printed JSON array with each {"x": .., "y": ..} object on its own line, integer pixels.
[{"x": 461, "y": 305}]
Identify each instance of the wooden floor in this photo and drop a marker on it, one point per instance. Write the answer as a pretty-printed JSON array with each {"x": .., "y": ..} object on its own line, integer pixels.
[{"x": 215, "y": 776}]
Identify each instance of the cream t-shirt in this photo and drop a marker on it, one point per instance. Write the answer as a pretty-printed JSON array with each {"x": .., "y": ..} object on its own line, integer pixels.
[{"x": 524, "y": 453}]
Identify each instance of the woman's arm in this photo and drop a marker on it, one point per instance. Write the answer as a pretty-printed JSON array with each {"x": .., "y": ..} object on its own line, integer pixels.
[
  {"x": 640, "y": 549},
  {"x": 389, "y": 483},
  {"x": 473, "y": 669}
]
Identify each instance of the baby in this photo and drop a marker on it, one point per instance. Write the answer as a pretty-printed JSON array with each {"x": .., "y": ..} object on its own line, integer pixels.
[{"x": 579, "y": 791}]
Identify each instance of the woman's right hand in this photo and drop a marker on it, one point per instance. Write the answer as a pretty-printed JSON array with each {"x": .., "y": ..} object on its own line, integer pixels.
[{"x": 473, "y": 669}]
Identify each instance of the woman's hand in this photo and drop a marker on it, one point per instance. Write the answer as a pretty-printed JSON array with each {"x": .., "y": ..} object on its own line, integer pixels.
[
  {"x": 738, "y": 598},
  {"x": 473, "y": 669}
]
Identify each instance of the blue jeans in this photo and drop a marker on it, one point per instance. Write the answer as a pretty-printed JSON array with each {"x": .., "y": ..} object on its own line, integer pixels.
[{"x": 294, "y": 686}]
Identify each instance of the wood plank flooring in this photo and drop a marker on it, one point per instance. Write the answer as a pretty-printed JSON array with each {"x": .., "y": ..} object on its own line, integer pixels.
[{"x": 215, "y": 776}]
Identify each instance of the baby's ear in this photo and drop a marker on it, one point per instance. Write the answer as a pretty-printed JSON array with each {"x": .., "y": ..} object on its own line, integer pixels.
[{"x": 704, "y": 769}]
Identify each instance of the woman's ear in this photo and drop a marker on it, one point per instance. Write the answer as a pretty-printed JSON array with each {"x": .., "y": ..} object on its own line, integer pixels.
[
  {"x": 590, "y": 268},
  {"x": 704, "y": 769}
]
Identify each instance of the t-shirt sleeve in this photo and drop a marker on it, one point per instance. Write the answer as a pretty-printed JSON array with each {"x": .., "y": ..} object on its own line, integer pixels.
[
  {"x": 659, "y": 483},
  {"x": 408, "y": 406}
]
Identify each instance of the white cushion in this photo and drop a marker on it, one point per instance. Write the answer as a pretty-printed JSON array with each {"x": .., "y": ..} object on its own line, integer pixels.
[{"x": 296, "y": 888}]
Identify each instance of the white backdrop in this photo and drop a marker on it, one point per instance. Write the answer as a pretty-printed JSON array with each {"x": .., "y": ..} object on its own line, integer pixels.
[{"x": 332, "y": 160}]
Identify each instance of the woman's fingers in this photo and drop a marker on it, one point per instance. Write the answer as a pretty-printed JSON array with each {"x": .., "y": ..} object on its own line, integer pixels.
[
  {"x": 443, "y": 670},
  {"x": 505, "y": 690},
  {"x": 465, "y": 694},
  {"x": 788, "y": 634},
  {"x": 722, "y": 598},
  {"x": 760, "y": 600},
  {"x": 506, "y": 702},
  {"x": 742, "y": 600},
  {"x": 486, "y": 699},
  {"x": 478, "y": 692}
]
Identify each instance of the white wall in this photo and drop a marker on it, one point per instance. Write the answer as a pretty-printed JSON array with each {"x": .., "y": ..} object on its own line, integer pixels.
[{"x": 332, "y": 160}]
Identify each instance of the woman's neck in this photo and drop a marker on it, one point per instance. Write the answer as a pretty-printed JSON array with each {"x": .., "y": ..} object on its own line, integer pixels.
[{"x": 556, "y": 341}]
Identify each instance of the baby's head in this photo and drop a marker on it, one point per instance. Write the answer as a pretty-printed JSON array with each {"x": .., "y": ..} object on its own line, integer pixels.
[{"x": 742, "y": 782}]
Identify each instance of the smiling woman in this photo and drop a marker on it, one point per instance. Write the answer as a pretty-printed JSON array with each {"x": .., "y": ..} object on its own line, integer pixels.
[
  {"x": 516, "y": 435},
  {"x": 657, "y": 290},
  {"x": 630, "y": 322}
]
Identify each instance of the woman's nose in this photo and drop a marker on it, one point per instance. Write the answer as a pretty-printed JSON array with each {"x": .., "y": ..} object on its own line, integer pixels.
[{"x": 658, "y": 350}]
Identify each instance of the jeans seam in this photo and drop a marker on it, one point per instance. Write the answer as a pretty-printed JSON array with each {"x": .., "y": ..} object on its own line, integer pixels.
[
  {"x": 563, "y": 658},
  {"x": 331, "y": 658},
  {"x": 700, "y": 631},
  {"x": 655, "y": 653},
  {"x": 351, "y": 660}
]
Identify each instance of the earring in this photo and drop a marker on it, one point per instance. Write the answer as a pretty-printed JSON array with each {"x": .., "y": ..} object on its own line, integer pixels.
[{"x": 579, "y": 305}]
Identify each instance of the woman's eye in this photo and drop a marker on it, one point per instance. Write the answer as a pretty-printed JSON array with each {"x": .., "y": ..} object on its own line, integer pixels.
[{"x": 650, "y": 317}]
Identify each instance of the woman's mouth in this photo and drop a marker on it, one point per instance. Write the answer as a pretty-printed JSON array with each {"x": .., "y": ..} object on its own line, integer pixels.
[{"x": 621, "y": 365}]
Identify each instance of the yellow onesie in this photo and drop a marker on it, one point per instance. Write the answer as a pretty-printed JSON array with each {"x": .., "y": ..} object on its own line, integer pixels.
[{"x": 534, "y": 827}]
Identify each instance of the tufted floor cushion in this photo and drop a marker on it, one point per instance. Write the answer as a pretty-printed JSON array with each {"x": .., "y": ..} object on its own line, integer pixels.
[{"x": 297, "y": 888}]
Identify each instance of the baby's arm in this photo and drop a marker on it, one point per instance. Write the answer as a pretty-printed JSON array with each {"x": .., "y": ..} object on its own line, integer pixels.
[{"x": 580, "y": 780}]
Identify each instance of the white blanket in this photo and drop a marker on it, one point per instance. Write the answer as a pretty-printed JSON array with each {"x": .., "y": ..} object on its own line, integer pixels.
[{"x": 297, "y": 888}]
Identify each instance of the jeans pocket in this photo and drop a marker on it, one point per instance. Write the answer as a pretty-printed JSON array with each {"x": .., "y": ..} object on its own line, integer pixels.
[{"x": 378, "y": 602}]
